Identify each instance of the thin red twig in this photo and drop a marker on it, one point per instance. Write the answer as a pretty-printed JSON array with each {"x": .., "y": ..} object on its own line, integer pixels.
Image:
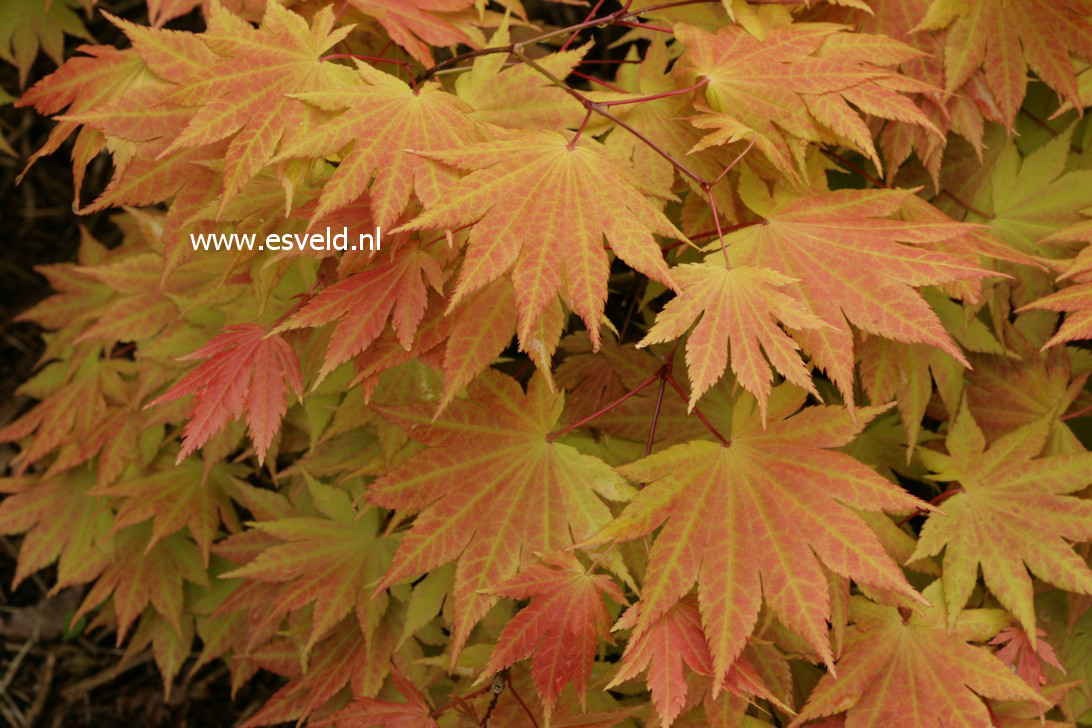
[
  {"x": 853, "y": 167},
  {"x": 653, "y": 97},
  {"x": 599, "y": 413},
  {"x": 936, "y": 500},
  {"x": 643, "y": 26},
  {"x": 519, "y": 699},
  {"x": 588, "y": 17},
  {"x": 1079, "y": 413},
  {"x": 376, "y": 59},
  {"x": 601, "y": 82},
  {"x": 965, "y": 205},
  {"x": 697, "y": 412},
  {"x": 457, "y": 700}
]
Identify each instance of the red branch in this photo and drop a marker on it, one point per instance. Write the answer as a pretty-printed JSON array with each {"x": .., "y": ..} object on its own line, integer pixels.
[
  {"x": 696, "y": 411},
  {"x": 599, "y": 413}
]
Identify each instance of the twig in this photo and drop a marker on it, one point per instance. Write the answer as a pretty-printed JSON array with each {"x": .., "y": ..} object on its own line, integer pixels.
[
  {"x": 965, "y": 205},
  {"x": 853, "y": 167},
  {"x": 45, "y": 682},
  {"x": 500, "y": 681},
  {"x": 1079, "y": 413},
  {"x": 619, "y": 15},
  {"x": 599, "y": 413},
  {"x": 656, "y": 414},
  {"x": 697, "y": 412},
  {"x": 516, "y": 695},
  {"x": 73, "y": 692}
]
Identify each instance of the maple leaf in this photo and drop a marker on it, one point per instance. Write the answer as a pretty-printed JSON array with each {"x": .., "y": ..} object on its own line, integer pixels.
[
  {"x": 369, "y": 712},
  {"x": 1076, "y": 303},
  {"x": 329, "y": 562},
  {"x": 29, "y": 25},
  {"x": 75, "y": 408},
  {"x": 482, "y": 327},
  {"x": 138, "y": 577},
  {"x": 190, "y": 495},
  {"x": 519, "y": 97},
  {"x": 416, "y": 24},
  {"x": 247, "y": 370},
  {"x": 61, "y": 521},
  {"x": 362, "y": 303},
  {"x": 784, "y": 88},
  {"x": 1025, "y": 658},
  {"x": 673, "y": 641},
  {"x": 1014, "y": 510},
  {"x": 1004, "y": 38},
  {"x": 852, "y": 268},
  {"x": 491, "y": 490},
  {"x": 344, "y": 659},
  {"x": 388, "y": 124},
  {"x": 243, "y": 90},
  {"x": 739, "y": 307},
  {"x": 912, "y": 671},
  {"x": 561, "y": 627},
  {"x": 550, "y": 242},
  {"x": 1034, "y": 198},
  {"x": 81, "y": 85},
  {"x": 754, "y": 520}
]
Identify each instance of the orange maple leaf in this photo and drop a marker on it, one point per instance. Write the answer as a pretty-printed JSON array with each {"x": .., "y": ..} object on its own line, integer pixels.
[
  {"x": 247, "y": 371},
  {"x": 417, "y": 24},
  {"x": 1005, "y": 38},
  {"x": 491, "y": 490},
  {"x": 385, "y": 121},
  {"x": 673, "y": 641},
  {"x": 362, "y": 303},
  {"x": 853, "y": 267},
  {"x": 61, "y": 521},
  {"x": 561, "y": 627},
  {"x": 244, "y": 90},
  {"x": 905, "y": 669},
  {"x": 1025, "y": 658},
  {"x": 795, "y": 84},
  {"x": 741, "y": 308},
  {"x": 755, "y": 520},
  {"x": 549, "y": 241},
  {"x": 373, "y": 713}
]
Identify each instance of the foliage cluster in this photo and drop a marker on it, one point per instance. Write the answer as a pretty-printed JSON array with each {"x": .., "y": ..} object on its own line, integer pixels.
[{"x": 723, "y": 363}]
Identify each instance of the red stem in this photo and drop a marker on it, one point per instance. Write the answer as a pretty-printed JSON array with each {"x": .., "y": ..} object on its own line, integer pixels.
[
  {"x": 853, "y": 167},
  {"x": 588, "y": 17},
  {"x": 583, "y": 421},
  {"x": 936, "y": 500},
  {"x": 583, "y": 125},
  {"x": 516, "y": 695},
  {"x": 697, "y": 412},
  {"x": 965, "y": 205},
  {"x": 457, "y": 700},
  {"x": 601, "y": 82},
  {"x": 653, "y": 97},
  {"x": 1079, "y": 413},
  {"x": 643, "y": 26},
  {"x": 716, "y": 221},
  {"x": 376, "y": 59}
]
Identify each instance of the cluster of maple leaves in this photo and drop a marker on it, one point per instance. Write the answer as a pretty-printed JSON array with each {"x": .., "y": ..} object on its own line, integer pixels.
[{"x": 656, "y": 408}]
